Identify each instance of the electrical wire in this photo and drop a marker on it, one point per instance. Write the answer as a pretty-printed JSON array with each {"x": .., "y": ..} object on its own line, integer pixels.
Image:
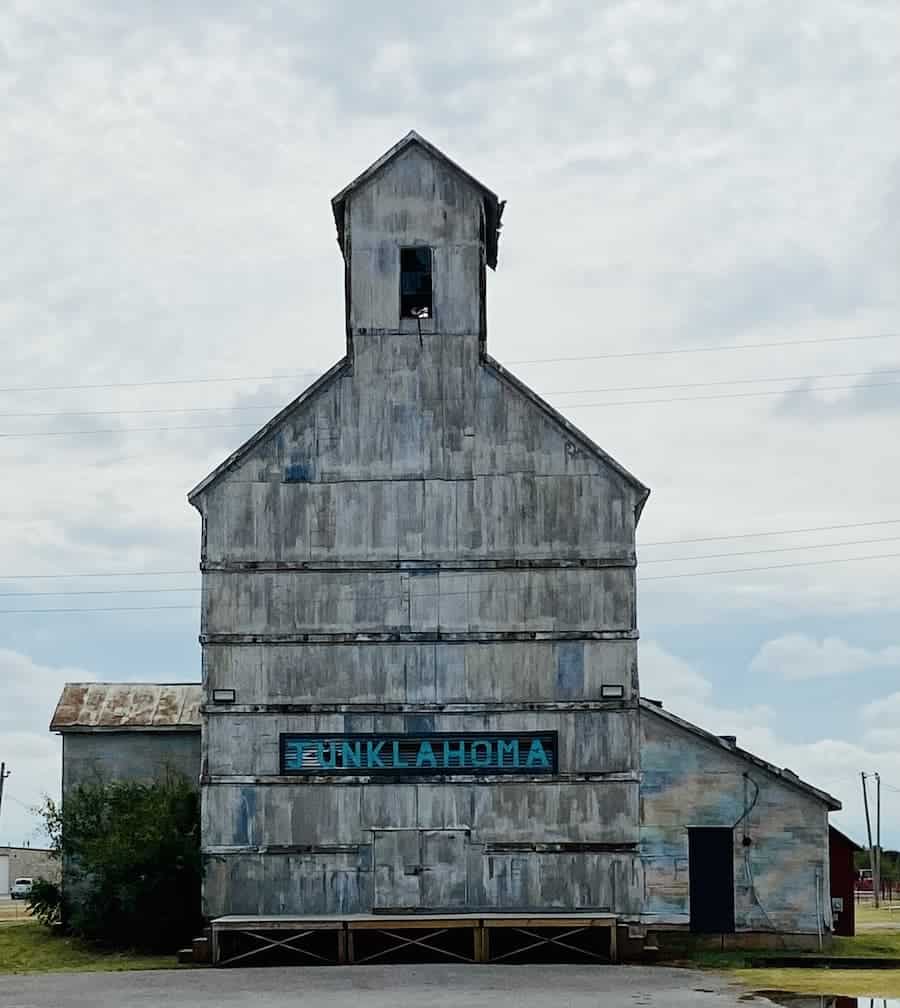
[
  {"x": 593, "y": 391},
  {"x": 705, "y": 349},
  {"x": 770, "y": 567},
  {"x": 150, "y": 591},
  {"x": 485, "y": 591},
  {"x": 545, "y": 360},
  {"x": 730, "y": 395},
  {"x": 665, "y": 542},
  {"x": 774, "y": 532},
  {"x": 776, "y": 549},
  {"x": 568, "y": 406}
]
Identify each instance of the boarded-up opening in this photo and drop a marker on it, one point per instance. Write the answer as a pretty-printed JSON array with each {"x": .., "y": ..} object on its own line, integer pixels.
[
  {"x": 420, "y": 869},
  {"x": 711, "y": 867}
]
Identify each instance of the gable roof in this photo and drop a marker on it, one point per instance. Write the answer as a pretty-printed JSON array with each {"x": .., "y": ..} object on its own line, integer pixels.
[
  {"x": 120, "y": 706},
  {"x": 497, "y": 369},
  {"x": 592, "y": 447},
  {"x": 238, "y": 455},
  {"x": 493, "y": 206},
  {"x": 785, "y": 775}
]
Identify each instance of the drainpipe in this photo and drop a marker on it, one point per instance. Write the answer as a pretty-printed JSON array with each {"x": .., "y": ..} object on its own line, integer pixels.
[{"x": 819, "y": 906}]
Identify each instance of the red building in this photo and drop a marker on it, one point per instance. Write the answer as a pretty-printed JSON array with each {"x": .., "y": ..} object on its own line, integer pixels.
[{"x": 843, "y": 880}]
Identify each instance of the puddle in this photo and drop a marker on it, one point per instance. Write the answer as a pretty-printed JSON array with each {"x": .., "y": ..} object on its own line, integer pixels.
[{"x": 828, "y": 1000}]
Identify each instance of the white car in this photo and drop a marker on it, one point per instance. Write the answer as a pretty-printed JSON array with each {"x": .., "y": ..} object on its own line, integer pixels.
[{"x": 21, "y": 888}]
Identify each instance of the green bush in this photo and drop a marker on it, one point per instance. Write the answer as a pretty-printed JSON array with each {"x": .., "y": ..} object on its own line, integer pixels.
[
  {"x": 131, "y": 862},
  {"x": 45, "y": 901}
]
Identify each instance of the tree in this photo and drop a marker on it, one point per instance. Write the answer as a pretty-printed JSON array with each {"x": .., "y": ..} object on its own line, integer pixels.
[{"x": 131, "y": 861}]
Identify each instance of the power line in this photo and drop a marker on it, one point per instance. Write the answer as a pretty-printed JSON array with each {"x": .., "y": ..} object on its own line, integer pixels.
[
  {"x": 121, "y": 430},
  {"x": 730, "y": 395},
  {"x": 164, "y": 381},
  {"x": 96, "y": 591},
  {"x": 130, "y": 412},
  {"x": 96, "y": 574},
  {"x": 547, "y": 360},
  {"x": 706, "y": 349},
  {"x": 486, "y": 591},
  {"x": 608, "y": 389},
  {"x": 664, "y": 542},
  {"x": 568, "y": 406},
  {"x": 705, "y": 384},
  {"x": 775, "y": 532},
  {"x": 31, "y": 612},
  {"x": 168, "y": 589},
  {"x": 744, "y": 570},
  {"x": 776, "y": 549}
]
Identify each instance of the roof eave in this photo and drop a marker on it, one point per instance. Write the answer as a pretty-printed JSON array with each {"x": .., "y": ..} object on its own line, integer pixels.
[
  {"x": 643, "y": 491},
  {"x": 240, "y": 453},
  {"x": 493, "y": 204}
]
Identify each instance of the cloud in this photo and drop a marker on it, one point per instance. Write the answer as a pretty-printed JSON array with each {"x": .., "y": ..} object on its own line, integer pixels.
[
  {"x": 881, "y": 718},
  {"x": 796, "y": 656},
  {"x": 32, "y": 754}
]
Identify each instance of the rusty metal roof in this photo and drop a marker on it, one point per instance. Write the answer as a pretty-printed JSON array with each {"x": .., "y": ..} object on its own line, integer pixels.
[{"x": 135, "y": 706}]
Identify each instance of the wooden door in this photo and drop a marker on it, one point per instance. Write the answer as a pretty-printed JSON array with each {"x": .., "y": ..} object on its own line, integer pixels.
[
  {"x": 397, "y": 868},
  {"x": 444, "y": 878},
  {"x": 420, "y": 869}
]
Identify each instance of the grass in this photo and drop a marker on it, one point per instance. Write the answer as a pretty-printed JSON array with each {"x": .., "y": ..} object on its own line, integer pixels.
[
  {"x": 857, "y": 982},
  {"x": 866, "y": 914},
  {"x": 29, "y": 947}
]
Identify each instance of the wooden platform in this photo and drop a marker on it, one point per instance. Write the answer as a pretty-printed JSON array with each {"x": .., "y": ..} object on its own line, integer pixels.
[{"x": 363, "y": 938}]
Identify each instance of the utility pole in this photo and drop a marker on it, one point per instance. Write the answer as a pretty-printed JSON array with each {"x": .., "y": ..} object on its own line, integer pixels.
[
  {"x": 863, "y": 776},
  {"x": 4, "y": 773},
  {"x": 877, "y": 839}
]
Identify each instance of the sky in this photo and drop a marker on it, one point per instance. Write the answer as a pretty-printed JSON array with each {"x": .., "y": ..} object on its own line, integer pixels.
[{"x": 710, "y": 175}]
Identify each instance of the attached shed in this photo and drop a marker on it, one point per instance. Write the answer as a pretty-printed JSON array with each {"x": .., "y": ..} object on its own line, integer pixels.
[
  {"x": 843, "y": 881},
  {"x": 128, "y": 731},
  {"x": 730, "y": 843}
]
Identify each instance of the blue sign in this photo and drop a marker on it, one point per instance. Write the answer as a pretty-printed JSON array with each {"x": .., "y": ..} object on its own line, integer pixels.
[{"x": 442, "y": 753}]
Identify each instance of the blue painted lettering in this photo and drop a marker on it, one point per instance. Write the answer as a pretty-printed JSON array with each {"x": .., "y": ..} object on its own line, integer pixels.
[
  {"x": 508, "y": 753},
  {"x": 459, "y": 754},
  {"x": 536, "y": 756},
  {"x": 426, "y": 753},
  {"x": 328, "y": 762},
  {"x": 350, "y": 754},
  {"x": 399, "y": 761},
  {"x": 482, "y": 754},
  {"x": 373, "y": 757}
]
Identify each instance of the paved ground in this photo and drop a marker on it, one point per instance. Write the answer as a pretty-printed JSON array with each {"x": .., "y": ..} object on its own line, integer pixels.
[
  {"x": 429, "y": 986},
  {"x": 13, "y": 909}
]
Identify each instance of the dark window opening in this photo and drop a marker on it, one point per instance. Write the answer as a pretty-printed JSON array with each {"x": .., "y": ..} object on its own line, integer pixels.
[{"x": 415, "y": 283}]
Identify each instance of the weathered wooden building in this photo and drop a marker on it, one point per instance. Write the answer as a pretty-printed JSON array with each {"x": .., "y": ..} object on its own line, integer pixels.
[
  {"x": 418, "y": 606},
  {"x": 419, "y": 629}
]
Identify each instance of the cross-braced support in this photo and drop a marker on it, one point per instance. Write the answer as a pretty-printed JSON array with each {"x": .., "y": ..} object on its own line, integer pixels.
[
  {"x": 424, "y": 941},
  {"x": 271, "y": 941},
  {"x": 541, "y": 940}
]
